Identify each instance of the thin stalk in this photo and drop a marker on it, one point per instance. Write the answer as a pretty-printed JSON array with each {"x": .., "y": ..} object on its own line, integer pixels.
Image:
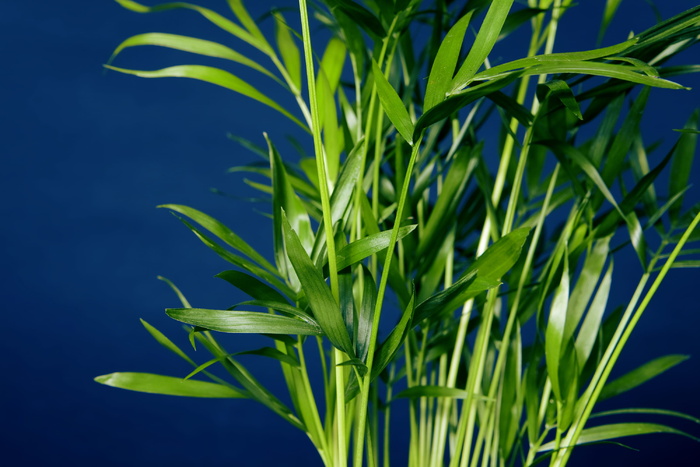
[
  {"x": 339, "y": 371},
  {"x": 364, "y": 392},
  {"x": 602, "y": 374}
]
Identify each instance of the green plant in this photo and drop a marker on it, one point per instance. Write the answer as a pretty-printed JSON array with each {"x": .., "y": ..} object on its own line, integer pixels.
[{"x": 422, "y": 263}]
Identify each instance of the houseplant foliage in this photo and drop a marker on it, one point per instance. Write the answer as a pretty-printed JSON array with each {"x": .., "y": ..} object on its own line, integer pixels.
[{"x": 429, "y": 267}]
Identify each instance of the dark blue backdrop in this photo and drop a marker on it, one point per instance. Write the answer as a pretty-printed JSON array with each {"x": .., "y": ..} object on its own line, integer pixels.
[{"x": 88, "y": 155}]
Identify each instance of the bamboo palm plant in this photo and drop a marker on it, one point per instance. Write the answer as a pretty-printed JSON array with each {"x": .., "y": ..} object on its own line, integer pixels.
[{"x": 451, "y": 241}]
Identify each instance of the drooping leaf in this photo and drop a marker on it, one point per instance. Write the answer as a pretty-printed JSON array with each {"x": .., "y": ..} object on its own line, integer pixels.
[
  {"x": 561, "y": 91},
  {"x": 244, "y": 321},
  {"x": 168, "y": 385},
  {"x": 251, "y": 286},
  {"x": 618, "y": 430},
  {"x": 588, "y": 332},
  {"x": 222, "y": 232},
  {"x": 483, "y": 274},
  {"x": 325, "y": 308},
  {"x": 392, "y": 104},
  {"x": 220, "y": 21},
  {"x": 214, "y": 76},
  {"x": 361, "y": 15},
  {"x": 431, "y": 391},
  {"x": 367, "y": 246},
  {"x": 555, "y": 345},
  {"x": 239, "y": 261},
  {"x": 285, "y": 199},
  {"x": 640, "y": 375},
  {"x": 682, "y": 163},
  {"x": 192, "y": 45}
]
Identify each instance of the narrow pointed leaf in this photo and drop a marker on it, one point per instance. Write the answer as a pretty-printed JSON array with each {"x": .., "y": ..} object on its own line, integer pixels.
[
  {"x": 431, "y": 391},
  {"x": 220, "y": 21},
  {"x": 392, "y": 104},
  {"x": 325, "y": 308},
  {"x": 682, "y": 163},
  {"x": 554, "y": 336},
  {"x": 483, "y": 274},
  {"x": 640, "y": 375},
  {"x": 165, "y": 342},
  {"x": 618, "y": 430},
  {"x": 168, "y": 385},
  {"x": 243, "y": 321},
  {"x": 445, "y": 63},
  {"x": 483, "y": 43},
  {"x": 367, "y": 246},
  {"x": 222, "y": 232},
  {"x": 288, "y": 50},
  {"x": 192, "y": 45},
  {"x": 251, "y": 286},
  {"x": 215, "y": 76},
  {"x": 588, "y": 333}
]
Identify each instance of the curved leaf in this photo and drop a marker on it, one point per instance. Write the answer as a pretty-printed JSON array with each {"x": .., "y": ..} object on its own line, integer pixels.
[
  {"x": 192, "y": 45},
  {"x": 249, "y": 322},
  {"x": 169, "y": 385},
  {"x": 211, "y": 75},
  {"x": 325, "y": 308},
  {"x": 393, "y": 105}
]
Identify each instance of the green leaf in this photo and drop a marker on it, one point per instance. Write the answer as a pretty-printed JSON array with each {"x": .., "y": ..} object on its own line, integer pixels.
[
  {"x": 388, "y": 349},
  {"x": 221, "y": 232},
  {"x": 450, "y": 196},
  {"x": 165, "y": 342},
  {"x": 179, "y": 294},
  {"x": 431, "y": 391},
  {"x": 243, "y": 16},
  {"x": 485, "y": 273},
  {"x": 585, "y": 285},
  {"x": 561, "y": 91},
  {"x": 640, "y": 375},
  {"x": 240, "y": 261},
  {"x": 485, "y": 40},
  {"x": 366, "y": 314},
  {"x": 251, "y": 286},
  {"x": 682, "y": 163},
  {"x": 588, "y": 333},
  {"x": 243, "y": 321},
  {"x": 392, "y": 104},
  {"x": 646, "y": 411},
  {"x": 457, "y": 101},
  {"x": 367, "y": 246},
  {"x": 555, "y": 345},
  {"x": 285, "y": 199},
  {"x": 264, "y": 352},
  {"x": 611, "y": 7},
  {"x": 192, "y": 45},
  {"x": 288, "y": 49},
  {"x": 215, "y": 76},
  {"x": 169, "y": 386},
  {"x": 325, "y": 308},
  {"x": 220, "y": 21},
  {"x": 445, "y": 63},
  {"x": 360, "y": 15},
  {"x": 618, "y": 430},
  {"x": 333, "y": 61},
  {"x": 529, "y": 62}
]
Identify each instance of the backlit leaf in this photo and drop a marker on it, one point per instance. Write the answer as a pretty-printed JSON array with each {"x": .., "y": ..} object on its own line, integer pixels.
[{"x": 168, "y": 385}]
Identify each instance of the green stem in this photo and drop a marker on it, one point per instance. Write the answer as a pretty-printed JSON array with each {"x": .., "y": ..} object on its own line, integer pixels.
[
  {"x": 364, "y": 393},
  {"x": 615, "y": 349}
]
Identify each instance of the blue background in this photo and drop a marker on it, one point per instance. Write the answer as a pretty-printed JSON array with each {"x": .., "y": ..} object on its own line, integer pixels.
[{"x": 87, "y": 155}]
